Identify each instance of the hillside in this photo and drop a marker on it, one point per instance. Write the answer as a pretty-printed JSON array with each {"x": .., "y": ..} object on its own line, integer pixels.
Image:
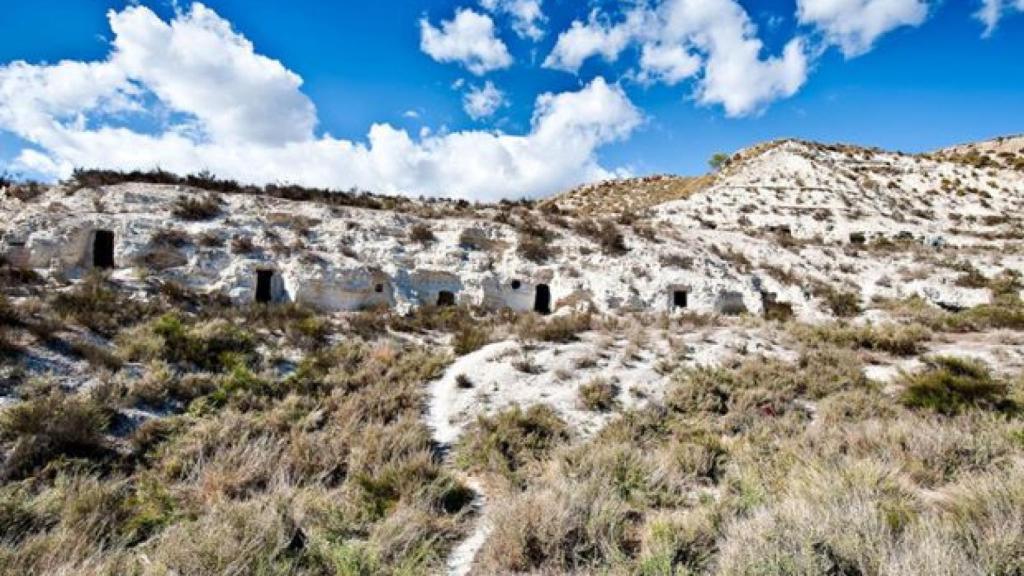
[{"x": 808, "y": 362}]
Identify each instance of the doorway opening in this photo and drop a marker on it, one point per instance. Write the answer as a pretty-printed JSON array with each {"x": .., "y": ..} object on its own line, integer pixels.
[
  {"x": 264, "y": 286},
  {"x": 445, "y": 298},
  {"x": 679, "y": 299},
  {"x": 542, "y": 301},
  {"x": 103, "y": 249}
]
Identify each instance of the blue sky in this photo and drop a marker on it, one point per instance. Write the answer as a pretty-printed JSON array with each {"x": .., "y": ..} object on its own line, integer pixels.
[{"x": 936, "y": 80}]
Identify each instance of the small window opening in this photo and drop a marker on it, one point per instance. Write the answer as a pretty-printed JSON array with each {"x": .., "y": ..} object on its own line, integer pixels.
[
  {"x": 516, "y": 284},
  {"x": 378, "y": 288}
]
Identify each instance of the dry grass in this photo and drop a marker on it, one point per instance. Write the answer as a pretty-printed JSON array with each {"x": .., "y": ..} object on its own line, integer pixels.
[
  {"x": 896, "y": 339},
  {"x": 735, "y": 473},
  {"x": 599, "y": 395},
  {"x": 327, "y": 470}
]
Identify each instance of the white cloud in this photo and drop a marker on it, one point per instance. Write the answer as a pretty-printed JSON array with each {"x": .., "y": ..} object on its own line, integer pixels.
[
  {"x": 483, "y": 101},
  {"x": 735, "y": 75},
  {"x": 992, "y": 11},
  {"x": 670, "y": 64},
  {"x": 713, "y": 40},
  {"x": 527, "y": 15},
  {"x": 596, "y": 37},
  {"x": 854, "y": 25},
  {"x": 468, "y": 39},
  {"x": 73, "y": 113}
]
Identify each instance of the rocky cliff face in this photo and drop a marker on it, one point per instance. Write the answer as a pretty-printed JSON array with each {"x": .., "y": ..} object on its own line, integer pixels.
[{"x": 788, "y": 222}]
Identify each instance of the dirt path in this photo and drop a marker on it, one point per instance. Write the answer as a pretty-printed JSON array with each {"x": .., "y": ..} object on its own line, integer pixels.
[{"x": 461, "y": 560}]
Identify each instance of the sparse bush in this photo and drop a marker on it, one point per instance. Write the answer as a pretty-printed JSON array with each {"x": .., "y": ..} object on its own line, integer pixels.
[
  {"x": 98, "y": 305},
  {"x": 898, "y": 339},
  {"x": 718, "y": 161},
  {"x": 949, "y": 385},
  {"x": 510, "y": 441},
  {"x": 606, "y": 234},
  {"x": 564, "y": 328},
  {"x": 242, "y": 245},
  {"x": 611, "y": 239},
  {"x": 49, "y": 426},
  {"x": 599, "y": 395},
  {"x": 421, "y": 233},
  {"x": 842, "y": 303},
  {"x": 676, "y": 261},
  {"x": 196, "y": 209},
  {"x": 470, "y": 338},
  {"x": 216, "y": 345}
]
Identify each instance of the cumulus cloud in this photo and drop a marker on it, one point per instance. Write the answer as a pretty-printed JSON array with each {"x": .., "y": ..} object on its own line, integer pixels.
[
  {"x": 80, "y": 114},
  {"x": 712, "y": 40},
  {"x": 667, "y": 63},
  {"x": 854, "y": 25},
  {"x": 595, "y": 37},
  {"x": 483, "y": 101},
  {"x": 468, "y": 39},
  {"x": 992, "y": 11},
  {"x": 527, "y": 15}
]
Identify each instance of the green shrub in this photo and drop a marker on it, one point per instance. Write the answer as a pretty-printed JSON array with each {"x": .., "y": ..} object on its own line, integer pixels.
[
  {"x": 949, "y": 385},
  {"x": 215, "y": 345}
]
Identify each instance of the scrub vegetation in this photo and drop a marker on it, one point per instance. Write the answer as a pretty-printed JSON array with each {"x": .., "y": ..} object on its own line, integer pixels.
[{"x": 269, "y": 439}]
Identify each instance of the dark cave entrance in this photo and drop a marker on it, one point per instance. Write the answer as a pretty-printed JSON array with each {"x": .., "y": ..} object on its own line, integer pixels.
[
  {"x": 679, "y": 299},
  {"x": 542, "y": 300},
  {"x": 445, "y": 298},
  {"x": 103, "y": 249},
  {"x": 264, "y": 286}
]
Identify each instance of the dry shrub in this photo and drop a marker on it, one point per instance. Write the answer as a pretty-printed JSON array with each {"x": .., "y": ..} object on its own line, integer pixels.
[
  {"x": 214, "y": 345},
  {"x": 675, "y": 260},
  {"x": 50, "y": 426},
  {"x": 949, "y": 385},
  {"x": 421, "y": 233},
  {"x": 842, "y": 303},
  {"x": 606, "y": 234},
  {"x": 535, "y": 249},
  {"x": 511, "y": 440},
  {"x": 98, "y": 305},
  {"x": 843, "y": 519},
  {"x": 196, "y": 209},
  {"x": 470, "y": 338},
  {"x": 241, "y": 245},
  {"x": 897, "y": 339},
  {"x": 563, "y": 328},
  {"x": 599, "y": 395},
  {"x": 568, "y": 527}
]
